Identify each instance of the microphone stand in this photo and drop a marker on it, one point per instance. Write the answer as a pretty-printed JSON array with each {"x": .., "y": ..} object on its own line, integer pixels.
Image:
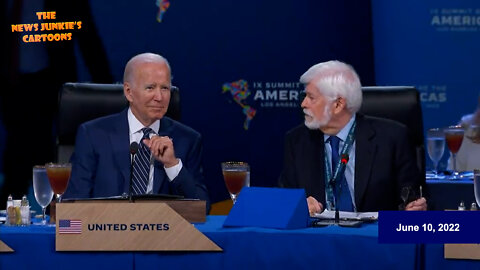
[
  {"x": 131, "y": 177},
  {"x": 133, "y": 152},
  {"x": 336, "y": 189},
  {"x": 343, "y": 164},
  {"x": 337, "y": 212},
  {"x": 328, "y": 222}
]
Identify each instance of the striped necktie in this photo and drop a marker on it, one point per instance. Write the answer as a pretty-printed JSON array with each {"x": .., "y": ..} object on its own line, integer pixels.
[{"x": 141, "y": 168}]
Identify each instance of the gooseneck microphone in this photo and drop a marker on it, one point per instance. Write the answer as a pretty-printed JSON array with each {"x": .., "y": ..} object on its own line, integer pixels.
[
  {"x": 133, "y": 152},
  {"x": 344, "y": 160},
  {"x": 343, "y": 164}
]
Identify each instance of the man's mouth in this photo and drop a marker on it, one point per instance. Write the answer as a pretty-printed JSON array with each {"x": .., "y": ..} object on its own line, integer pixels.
[{"x": 307, "y": 114}]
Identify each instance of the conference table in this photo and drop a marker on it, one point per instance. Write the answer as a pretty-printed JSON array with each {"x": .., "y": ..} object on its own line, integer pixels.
[
  {"x": 243, "y": 248},
  {"x": 329, "y": 247}
]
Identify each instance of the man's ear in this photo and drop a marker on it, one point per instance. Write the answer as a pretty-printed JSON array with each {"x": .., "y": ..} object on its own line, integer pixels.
[
  {"x": 127, "y": 91},
  {"x": 339, "y": 104}
]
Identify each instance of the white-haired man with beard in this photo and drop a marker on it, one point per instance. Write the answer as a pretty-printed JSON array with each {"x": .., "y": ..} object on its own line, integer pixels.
[{"x": 378, "y": 155}]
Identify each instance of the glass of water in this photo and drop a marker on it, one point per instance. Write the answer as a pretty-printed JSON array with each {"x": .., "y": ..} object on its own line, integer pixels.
[
  {"x": 476, "y": 185},
  {"x": 435, "y": 147},
  {"x": 42, "y": 189}
]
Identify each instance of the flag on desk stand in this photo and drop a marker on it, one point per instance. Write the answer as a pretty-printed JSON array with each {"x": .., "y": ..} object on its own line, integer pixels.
[{"x": 69, "y": 226}]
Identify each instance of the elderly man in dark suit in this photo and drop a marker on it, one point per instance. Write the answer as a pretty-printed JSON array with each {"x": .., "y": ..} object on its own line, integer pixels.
[
  {"x": 376, "y": 153},
  {"x": 169, "y": 154}
]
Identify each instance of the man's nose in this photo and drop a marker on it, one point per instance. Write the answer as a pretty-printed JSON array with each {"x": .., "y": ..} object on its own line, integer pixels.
[
  {"x": 304, "y": 103},
  {"x": 158, "y": 95}
]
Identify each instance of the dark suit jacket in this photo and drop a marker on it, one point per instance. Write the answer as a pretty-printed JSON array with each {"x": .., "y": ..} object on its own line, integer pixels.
[
  {"x": 101, "y": 161},
  {"x": 384, "y": 162}
]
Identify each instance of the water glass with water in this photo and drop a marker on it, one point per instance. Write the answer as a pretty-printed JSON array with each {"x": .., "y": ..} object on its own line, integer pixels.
[
  {"x": 42, "y": 189},
  {"x": 435, "y": 147},
  {"x": 476, "y": 185}
]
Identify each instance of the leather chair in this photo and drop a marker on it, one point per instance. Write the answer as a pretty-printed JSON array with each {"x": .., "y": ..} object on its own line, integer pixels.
[
  {"x": 81, "y": 102},
  {"x": 402, "y": 104}
]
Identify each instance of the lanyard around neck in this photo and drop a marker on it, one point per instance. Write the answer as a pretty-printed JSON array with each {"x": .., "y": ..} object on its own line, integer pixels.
[{"x": 347, "y": 146}]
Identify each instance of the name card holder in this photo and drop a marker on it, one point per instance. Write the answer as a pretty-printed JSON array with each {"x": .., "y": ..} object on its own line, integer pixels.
[
  {"x": 124, "y": 226},
  {"x": 462, "y": 251},
  {"x": 192, "y": 210},
  {"x": 279, "y": 208},
  {"x": 4, "y": 247}
]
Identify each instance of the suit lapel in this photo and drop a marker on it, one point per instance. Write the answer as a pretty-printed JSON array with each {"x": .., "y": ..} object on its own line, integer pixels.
[
  {"x": 364, "y": 155},
  {"x": 119, "y": 139},
  {"x": 316, "y": 163}
]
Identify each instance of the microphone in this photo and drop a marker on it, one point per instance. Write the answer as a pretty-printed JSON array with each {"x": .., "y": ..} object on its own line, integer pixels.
[
  {"x": 133, "y": 148},
  {"x": 344, "y": 159},
  {"x": 343, "y": 164},
  {"x": 133, "y": 152}
]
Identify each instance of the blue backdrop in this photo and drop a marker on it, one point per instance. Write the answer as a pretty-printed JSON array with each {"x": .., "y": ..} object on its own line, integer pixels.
[
  {"x": 433, "y": 45},
  {"x": 259, "y": 48},
  {"x": 237, "y": 63}
]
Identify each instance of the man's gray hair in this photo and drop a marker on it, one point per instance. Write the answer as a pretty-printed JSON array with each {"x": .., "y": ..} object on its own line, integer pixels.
[
  {"x": 336, "y": 79},
  {"x": 143, "y": 58}
]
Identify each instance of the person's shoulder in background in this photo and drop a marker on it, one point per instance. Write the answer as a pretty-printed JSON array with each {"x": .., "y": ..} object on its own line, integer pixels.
[{"x": 466, "y": 120}]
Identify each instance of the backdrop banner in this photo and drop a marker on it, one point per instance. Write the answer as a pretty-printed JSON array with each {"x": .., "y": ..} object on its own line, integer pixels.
[
  {"x": 432, "y": 45},
  {"x": 237, "y": 65}
]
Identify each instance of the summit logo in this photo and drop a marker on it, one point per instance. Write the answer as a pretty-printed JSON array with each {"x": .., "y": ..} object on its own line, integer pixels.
[
  {"x": 265, "y": 95},
  {"x": 239, "y": 92},
  {"x": 455, "y": 19},
  {"x": 162, "y": 5},
  {"x": 277, "y": 94}
]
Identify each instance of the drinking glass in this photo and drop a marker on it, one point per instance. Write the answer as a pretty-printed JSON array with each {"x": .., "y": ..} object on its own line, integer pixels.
[
  {"x": 454, "y": 138},
  {"x": 42, "y": 189},
  {"x": 410, "y": 193},
  {"x": 236, "y": 176},
  {"x": 58, "y": 175},
  {"x": 435, "y": 147},
  {"x": 476, "y": 185},
  {"x": 404, "y": 194}
]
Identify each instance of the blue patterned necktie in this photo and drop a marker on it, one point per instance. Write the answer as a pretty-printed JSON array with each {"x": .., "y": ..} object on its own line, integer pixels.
[
  {"x": 344, "y": 198},
  {"x": 141, "y": 168}
]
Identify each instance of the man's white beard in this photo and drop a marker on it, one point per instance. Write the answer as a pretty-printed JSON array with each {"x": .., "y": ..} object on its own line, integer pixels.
[{"x": 315, "y": 123}]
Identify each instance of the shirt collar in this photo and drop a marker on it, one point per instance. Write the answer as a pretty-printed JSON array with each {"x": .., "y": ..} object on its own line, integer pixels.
[
  {"x": 343, "y": 133},
  {"x": 135, "y": 126}
]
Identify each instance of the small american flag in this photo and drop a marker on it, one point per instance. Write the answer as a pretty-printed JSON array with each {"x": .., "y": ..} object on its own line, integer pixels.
[{"x": 69, "y": 226}]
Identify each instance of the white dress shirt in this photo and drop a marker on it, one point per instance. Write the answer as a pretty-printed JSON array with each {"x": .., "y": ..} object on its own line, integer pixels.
[{"x": 136, "y": 134}]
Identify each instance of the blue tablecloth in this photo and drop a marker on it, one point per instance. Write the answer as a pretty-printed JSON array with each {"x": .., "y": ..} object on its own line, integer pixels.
[
  {"x": 243, "y": 248},
  {"x": 258, "y": 248},
  {"x": 34, "y": 248}
]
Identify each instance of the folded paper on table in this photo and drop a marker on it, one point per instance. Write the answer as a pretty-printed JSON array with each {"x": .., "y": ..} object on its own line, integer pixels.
[{"x": 364, "y": 216}]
